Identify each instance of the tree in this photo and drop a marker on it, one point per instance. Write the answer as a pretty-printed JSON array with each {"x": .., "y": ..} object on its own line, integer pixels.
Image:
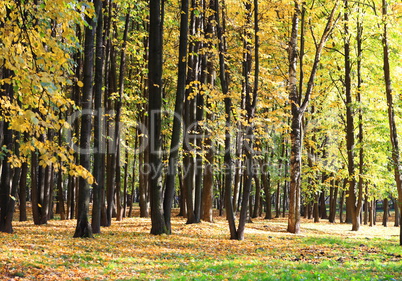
[
  {"x": 391, "y": 111},
  {"x": 83, "y": 228},
  {"x": 99, "y": 159},
  {"x": 298, "y": 107},
  {"x": 175, "y": 141},
  {"x": 154, "y": 113}
]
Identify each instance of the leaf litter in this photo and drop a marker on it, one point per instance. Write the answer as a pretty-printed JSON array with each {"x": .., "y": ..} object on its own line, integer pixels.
[{"x": 126, "y": 250}]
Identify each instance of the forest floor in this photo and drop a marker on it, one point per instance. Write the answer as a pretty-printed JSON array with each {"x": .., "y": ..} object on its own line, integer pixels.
[{"x": 126, "y": 251}]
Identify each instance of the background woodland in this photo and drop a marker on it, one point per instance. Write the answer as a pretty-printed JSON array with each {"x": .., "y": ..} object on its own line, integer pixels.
[{"x": 254, "y": 108}]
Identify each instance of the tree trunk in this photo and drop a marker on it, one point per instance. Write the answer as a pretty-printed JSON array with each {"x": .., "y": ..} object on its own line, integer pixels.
[
  {"x": 334, "y": 200},
  {"x": 99, "y": 158},
  {"x": 297, "y": 109},
  {"x": 83, "y": 228},
  {"x": 208, "y": 180},
  {"x": 386, "y": 211},
  {"x": 223, "y": 75},
  {"x": 323, "y": 205},
  {"x": 391, "y": 113},
  {"x": 154, "y": 115},
  {"x": 175, "y": 141},
  {"x": 277, "y": 200},
  {"x": 397, "y": 214},
  {"x": 5, "y": 182},
  {"x": 316, "y": 212},
  {"x": 355, "y": 202},
  {"x": 266, "y": 182},
  {"x": 23, "y": 192}
]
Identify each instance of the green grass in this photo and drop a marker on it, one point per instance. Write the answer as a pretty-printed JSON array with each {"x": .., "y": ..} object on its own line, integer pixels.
[
  {"x": 287, "y": 270},
  {"x": 126, "y": 251}
]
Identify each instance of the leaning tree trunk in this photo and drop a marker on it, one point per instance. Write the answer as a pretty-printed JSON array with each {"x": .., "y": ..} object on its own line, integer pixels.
[{"x": 223, "y": 75}]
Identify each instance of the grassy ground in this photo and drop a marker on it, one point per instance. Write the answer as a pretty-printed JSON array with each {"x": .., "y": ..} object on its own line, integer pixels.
[{"x": 126, "y": 251}]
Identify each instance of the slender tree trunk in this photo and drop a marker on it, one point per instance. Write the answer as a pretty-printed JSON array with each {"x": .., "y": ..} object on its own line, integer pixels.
[
  {"x": 397, "y": 213},
  {"x": 143, "y": 182},
  {"x": 257, "y": 204},
  {"x": 223, "y": 75},
  {"x": 316, "y": 212},
  {"x": 385, "y": 207},
  {"x": 323, "y": 206},
  {"x": 23, "y": 192},
  {"x": 208, "y": 180},
  {"x": 266, "y": 182},
  {"x": 125, "y": 182},
  {"x": 99, "y": 157},
  {"x": 174, "y": 145},
  {"x": 355, "y": 201},
  {"x": 250, "y": 105},
  {"x": 277, "y": 200},
  {"x": 133, "y": 179}
]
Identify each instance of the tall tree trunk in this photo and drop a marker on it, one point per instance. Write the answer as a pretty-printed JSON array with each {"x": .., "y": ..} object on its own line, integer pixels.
[
  {"x": 175, "y": 141},
  {"x": 360, "y": 110},
  {"x": 192, "y": 180},
  {"x": 208, "y": 180},
  {"x": 391, "y": 112},
  {"x": 296, "y": 133},
  {"x": 83, "y": 228},
  {"x": 117, "y": 127},
  {"x": 99, "y": 157},
  {"x": 250, "y": 105},
  {"x": 112, "y": 142},
  {"x": 6, "y": 171},
  {"x": 223, "y": 75},
  {"x": 154, "y": 114},
  {"x": 298, "y": 107},
  {"x": 354, "y": 201}
]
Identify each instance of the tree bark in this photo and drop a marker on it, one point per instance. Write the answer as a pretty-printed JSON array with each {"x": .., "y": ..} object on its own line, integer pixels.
[
  {"x": 175, "y": 141},
  {"x": 386, "y": 211},
  {"x": 154, "y": 114},
  {"x": 99, "y": 157},
  {"x": 298, "y": 107},
  {"x": 391, "y": 112},
  {"x": 83, "y": 228}
]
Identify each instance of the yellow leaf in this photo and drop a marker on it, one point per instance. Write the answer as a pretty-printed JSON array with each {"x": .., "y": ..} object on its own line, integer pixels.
[{"x": 80, "y": 84}]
